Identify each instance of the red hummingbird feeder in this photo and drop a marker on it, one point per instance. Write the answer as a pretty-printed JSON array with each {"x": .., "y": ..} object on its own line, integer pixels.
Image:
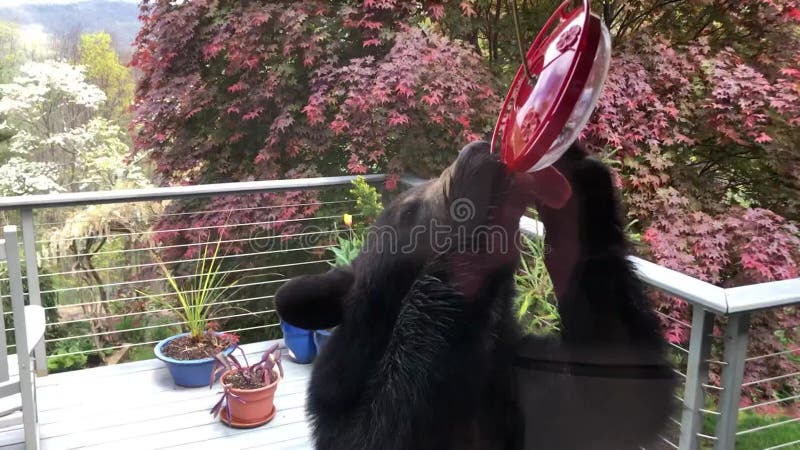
[{"x": 554, "y": 92}]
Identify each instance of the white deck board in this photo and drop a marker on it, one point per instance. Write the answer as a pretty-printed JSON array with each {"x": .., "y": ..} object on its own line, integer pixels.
[{"x": 137, "y": 406}]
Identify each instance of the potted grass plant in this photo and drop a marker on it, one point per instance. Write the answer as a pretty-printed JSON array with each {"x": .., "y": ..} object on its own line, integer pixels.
[
  {"x": 194, "y": 300},
  {"x": 248, "y": 390}
]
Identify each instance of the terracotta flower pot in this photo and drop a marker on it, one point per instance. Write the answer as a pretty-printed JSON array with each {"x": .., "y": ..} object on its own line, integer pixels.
[{"x": 250, "y": 407}]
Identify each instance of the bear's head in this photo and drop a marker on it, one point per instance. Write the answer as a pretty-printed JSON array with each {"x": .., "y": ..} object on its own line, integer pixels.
[{"x": 461, "y": 227}]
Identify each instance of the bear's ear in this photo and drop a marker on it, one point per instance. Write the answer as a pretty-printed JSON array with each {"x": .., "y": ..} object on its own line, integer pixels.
[{"x": 314, "y": 302}]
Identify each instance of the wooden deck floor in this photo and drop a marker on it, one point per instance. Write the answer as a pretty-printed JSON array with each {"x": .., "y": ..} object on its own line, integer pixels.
[{"x": 137, "y": 406}]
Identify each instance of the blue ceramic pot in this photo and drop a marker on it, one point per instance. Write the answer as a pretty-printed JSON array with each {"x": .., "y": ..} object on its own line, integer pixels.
[
  {"x": 320, "y": 337},
  {"x": 190, "y": 372},
  {"x": 300, "y": 343}
]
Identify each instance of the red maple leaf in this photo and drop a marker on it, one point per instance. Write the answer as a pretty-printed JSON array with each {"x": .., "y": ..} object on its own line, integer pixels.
[
  {"x": 467, "y": 10},
  {"x": 371, "y": 25},
  {"x": 404, "y": 90},
  {"x": 790, "y": 72},
  {"x": 211, "y": 50},
  {"x": 253, "y": 114},
  {"x": 463, "y": 120},
  {"x": 392, "y": 181},
  {"x": 398, "y": 119},
  {"x": 339, "y": 125},
  {"x": 437, "y": 11},
  {"x": 260, "y": 18},
  {"x": 282, "y": 122},
  {"x": 313, "y": 114},
  {"x": 763, "y": 138},
  {"x": 236, "y": 87},
  {"x": 355, "y": 165}
]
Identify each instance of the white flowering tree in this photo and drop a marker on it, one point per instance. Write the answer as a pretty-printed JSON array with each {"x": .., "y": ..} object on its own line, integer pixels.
[{"x": 59, "y": 142}]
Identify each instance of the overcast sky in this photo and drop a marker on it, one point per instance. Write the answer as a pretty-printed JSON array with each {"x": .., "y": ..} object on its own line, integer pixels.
[{"x": 43, "y": 2}]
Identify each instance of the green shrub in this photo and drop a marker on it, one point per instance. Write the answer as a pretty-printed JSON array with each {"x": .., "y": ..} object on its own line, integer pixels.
[
  {"x": 347, "y": 250},
  {"x": 62, "y": 361},
  {"x": 536, "y": 308},
  {"x": 368, "y": 206}
]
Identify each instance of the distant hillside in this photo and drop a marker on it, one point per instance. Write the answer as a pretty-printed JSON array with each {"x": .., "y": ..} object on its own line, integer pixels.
[{"x": 118, "y": 18}]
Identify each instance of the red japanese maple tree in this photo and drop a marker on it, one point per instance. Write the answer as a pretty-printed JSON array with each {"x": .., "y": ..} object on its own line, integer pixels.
[
  {"x": 257, "y": 90},
  {"x": 702, "y": 114}
]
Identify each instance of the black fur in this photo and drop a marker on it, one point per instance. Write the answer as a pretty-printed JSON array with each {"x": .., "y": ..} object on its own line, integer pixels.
[{"x": 427, "y": 353}]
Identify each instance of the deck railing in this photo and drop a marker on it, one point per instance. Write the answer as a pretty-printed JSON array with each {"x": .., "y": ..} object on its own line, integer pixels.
[
  {"x": 104, "y": 272},
  {"x": 96, "y": 256}
]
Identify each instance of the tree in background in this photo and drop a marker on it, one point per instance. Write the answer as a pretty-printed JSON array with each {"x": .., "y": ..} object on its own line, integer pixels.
[
  {"x": 236, "y": 91},
  {"x": 240, "y": 90},
  {"x": 702, "y": 113},
  {"x": 104, "y": 69},
  {"x": 12, "y": 53},
  {"x": 58, "y": 143}
]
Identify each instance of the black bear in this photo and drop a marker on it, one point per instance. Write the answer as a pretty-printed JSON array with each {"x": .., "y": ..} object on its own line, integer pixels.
[{"x": 427, "y": 353}]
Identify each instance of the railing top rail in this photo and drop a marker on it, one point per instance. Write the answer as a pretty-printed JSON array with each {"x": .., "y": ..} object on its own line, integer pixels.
[
  {"x": 763, "y": 295},
  {"x": 672, "y": 282},
  {"x": 719, "y": 300},
  {"x": 710, "y": 297},
  {"x": 174, "y": 192}
]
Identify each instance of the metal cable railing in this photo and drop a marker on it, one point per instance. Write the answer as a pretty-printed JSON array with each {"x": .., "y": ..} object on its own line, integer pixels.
[
  {"x": 265, "y": 223},
  {"x": 107, "y": 298}
]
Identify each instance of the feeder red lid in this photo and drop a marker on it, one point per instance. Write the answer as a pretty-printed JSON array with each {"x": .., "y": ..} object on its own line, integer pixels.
[{"x": 543, "y": 116}]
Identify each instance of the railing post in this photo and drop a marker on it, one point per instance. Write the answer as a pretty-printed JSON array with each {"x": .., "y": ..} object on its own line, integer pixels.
[
  {"x": 696, "y": 376},
  {"x": 736, "y": 338},
  {"x": 32, "y": 274}
]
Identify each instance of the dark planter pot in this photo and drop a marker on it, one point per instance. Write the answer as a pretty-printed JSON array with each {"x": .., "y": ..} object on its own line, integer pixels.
[
  {"x": 190, "y": 372},
  {"x": 300, "y": 343}
]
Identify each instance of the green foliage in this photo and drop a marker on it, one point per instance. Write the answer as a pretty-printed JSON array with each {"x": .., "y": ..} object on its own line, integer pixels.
[
  {"x": 57, "y": 143},
  {"x": 758, "y": 440},
  {"x": 368, "y": 208},
  {"x": 103, "y": 155},
  {"x": 11, "y": 51},
  {"x": 536, "y": 309},
  {"x": 347, "y": 250},
  {"x": 140, "y": 353},
  {"x": 488, "y": 26},
  {"x": 199, "y": 297},
  {"x": 60, "y": 359},
  {"x": 104, "y": 69},
  {"x": 132, "y": 323},
  {"x": 368, "y": 200}
]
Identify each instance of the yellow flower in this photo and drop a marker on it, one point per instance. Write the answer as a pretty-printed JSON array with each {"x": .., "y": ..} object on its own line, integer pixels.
[{"x": 348, "y": 220}]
